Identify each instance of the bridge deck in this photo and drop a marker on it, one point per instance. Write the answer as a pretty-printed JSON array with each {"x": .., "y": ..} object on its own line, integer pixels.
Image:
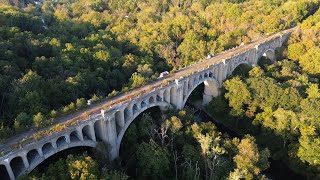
[{"x": 14, "y": 142}]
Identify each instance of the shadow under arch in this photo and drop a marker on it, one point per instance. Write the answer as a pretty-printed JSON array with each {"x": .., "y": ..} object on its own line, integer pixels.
[
  {"x": 246, "y": 63},
  {"x": 212, "y": 86},
  {"x": 36, "y": 163},
  {"x": 161, "y": 105}
]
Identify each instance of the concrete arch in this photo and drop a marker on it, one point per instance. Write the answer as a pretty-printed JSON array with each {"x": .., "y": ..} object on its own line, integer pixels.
[
  {"x": 3, "y": 172},
  {"x": 32, "y": 155},
  {"x": 143, "y": 104},
  {"x": 46, "y": 148},
  {"x": 86, "y": 133},
  {"x": 212, "y": 86},
  {"x": 135, "y": 109},
  {"x": 17, "y": 166},
  {"x": 162, "y": 105},
  {"x": 74, "y": 136},
  {"x": 98, "y": 130},
  {"x": 233, "y": 67},
  {"x": 151, "y": 100},
  {"x": 36, "y": 162},
  {"x": 61, "y": 141}
]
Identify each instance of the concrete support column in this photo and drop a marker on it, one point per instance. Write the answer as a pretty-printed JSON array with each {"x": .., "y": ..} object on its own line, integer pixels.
[
  {"x": 102, "y": 127},
  {"x": 178, "y": 95},
  {"x": 111, "y": 133},
  {"x": 223, "y": 70},
  {"x": 54, "y": 144},
  {"x": 92, "y": 134},
  {"x": 119, "y": 118},
  {"x": 256, "y": 56},
  {"x": 67, "y": 138},
  {"x": 186, "y": 87},
  {"x": 167, "y": 95},
  {"x": 79, "y": 132},
  {"x": 10, "y": 172},
  {"x": 40, "y": 151},
  {"x": 206, "y": 99},
  {"x": 25, "y": 160}
]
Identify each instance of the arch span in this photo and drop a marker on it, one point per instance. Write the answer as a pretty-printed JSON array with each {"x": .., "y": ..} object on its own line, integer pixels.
[
  {"x": 211, "y": 88},
  {"x": 162, "y": 105},
  {"x": 39, "y": 160},
  {"x": 234, "y": 66}
]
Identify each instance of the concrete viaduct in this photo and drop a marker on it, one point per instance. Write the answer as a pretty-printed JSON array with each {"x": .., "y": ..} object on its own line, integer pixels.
[{"x": 110, "y": 125}]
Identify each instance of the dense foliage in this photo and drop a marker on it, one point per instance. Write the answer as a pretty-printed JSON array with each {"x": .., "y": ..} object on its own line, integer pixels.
[
  {"x": 77, "y": 167},
  {"x": 55, "y": 54},
  {"x": 279, "y": 103}
]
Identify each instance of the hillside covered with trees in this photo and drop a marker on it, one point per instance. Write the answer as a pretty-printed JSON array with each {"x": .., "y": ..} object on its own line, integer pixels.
[
  {"x": 55, "y": 55},
  {"x": 279, "y": 103}
]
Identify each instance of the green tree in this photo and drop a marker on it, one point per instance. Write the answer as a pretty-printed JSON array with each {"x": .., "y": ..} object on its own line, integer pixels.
[
  {"x": 137, "y": 80},
  {"x": 152, "y": 160},
  {"x": 38, "y": 120},
  {"x": 82, "y": 167},
  {"x": 238, "y": 94},
  {"x": 249, "y": 160}
]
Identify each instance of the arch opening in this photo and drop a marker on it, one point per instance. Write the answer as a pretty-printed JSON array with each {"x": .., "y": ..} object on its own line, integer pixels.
[
  {"x": 126, "y": 113},
  {"x": 17, "y": 165},
  {"x": 98, "y": 130},
  {"x": 143, "y": 104},
  {"x": 159, "y": 99},
  {"x": 241, "y": 70},
  {"x": 202, "y": 93},
  {"x": 46, "y": 148},
  {"x": 61, "y": 141},
  {"x": 86, "y": 133},
  {"x": 210, "y": 74},
  {"x": 195, "y": 80},
  {"x": 74, "y": 136},
  {"x": 151, "y": 100},
  {"x": 4, "y": 173},
  {"x": 32, "y": 156},
  {"x": 135, "y": 109},
  {"x": 140, "y": 130},
  {"x": 75, "y": 150}
]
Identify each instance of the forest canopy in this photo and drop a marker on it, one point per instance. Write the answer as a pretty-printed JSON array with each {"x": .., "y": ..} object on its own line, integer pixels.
[{"x": 56, "y": 54}]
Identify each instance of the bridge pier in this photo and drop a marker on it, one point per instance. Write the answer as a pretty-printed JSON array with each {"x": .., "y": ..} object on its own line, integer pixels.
[
  {"x": 25, "y": 160},
  {"x": 110, "y": 134},
  {"x": 177, "y": 96},
  {"x": 206, "y": 99},
  {"x": 10, "y": 172}
]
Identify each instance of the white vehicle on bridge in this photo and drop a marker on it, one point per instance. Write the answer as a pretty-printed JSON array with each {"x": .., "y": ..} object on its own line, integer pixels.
[{"x": 163, "y": 74}]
